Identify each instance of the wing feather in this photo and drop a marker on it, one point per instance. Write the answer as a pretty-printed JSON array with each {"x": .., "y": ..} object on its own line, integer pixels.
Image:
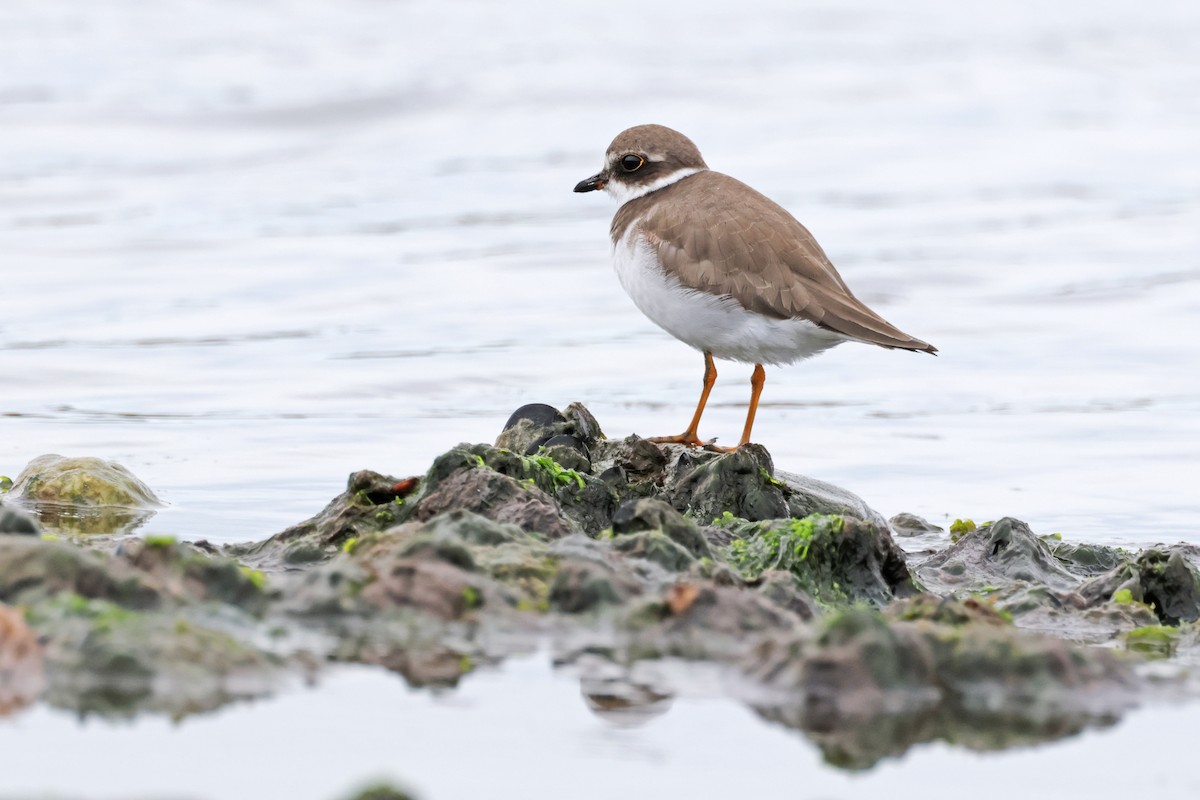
[{"x": 771, "y": 264}]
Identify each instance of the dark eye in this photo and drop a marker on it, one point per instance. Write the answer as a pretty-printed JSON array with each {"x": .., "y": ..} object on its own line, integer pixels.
[{"x": 631, "y": 162}]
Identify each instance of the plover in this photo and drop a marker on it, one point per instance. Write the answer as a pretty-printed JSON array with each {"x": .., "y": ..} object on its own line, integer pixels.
[{"x": 723, "y": 268}]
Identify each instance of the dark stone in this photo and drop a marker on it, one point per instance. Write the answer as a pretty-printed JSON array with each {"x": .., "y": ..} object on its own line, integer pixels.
[
  {"x": 540, "y": 414},
  {"x": 538, "y": 425},
  {"x": 568, "y": 441},
  {"x": 614, "y": 476}
]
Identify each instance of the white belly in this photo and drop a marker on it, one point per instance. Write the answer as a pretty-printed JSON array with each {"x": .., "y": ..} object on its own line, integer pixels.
[{"x": 713, "y": 324}]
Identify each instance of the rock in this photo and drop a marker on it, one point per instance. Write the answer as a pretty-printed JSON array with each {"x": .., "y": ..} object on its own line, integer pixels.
[
  {"x": 619, "y": 552},
  {"x": 703, "y": 621},
  {"x": 184, "y": 571},
  {"x": 947, "y": 611},
  {"x": 84, "y": 495},
  {"x": 535, "y": 425},
  {"x": 1164, "y": 579},
  {"x": 588, "y": 579},
  {"x": 22, "y": 677},
  {"x": 783, "y": 589},
  {"x": 371, "y": 502},
  {"x": 1000, "y": 553},
  {"x": 834, "y": 559},
  {"x": 33, "y": 571},
  {"x": 14, "y": 520},
  {"x": 381, "y": 792},
  {"x": 647, "y": 514},
  {"x": 437, "y": 588},
  {"x": 613, "y": 696},
  {"x": 82, "y": 482},
  {"x": 657, "y": 547},
  {"x": 740, "y": 483},
  {"x": 462, "y": 480},
  {"x": 905, "y": 524}
]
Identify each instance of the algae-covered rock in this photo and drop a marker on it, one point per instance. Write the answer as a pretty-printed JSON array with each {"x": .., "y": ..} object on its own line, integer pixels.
[
  {"x": 740, "y": 483},
  {"x": 82, "y": 482},
  {"x": 380, "y": 791},
  {"x": 1002, "y": 552},
  {"x": 623, "y": 551},
  {"x": 371, "y": 503},
  {"x": 834, "y": 559},
  {"x": 648, "y": 514},
  {"x": 703, "y": 621},
  {"x": 587, "y": 581},
  {"x": 1162, "y": 578},
  {"x": 502, "y": 486},
  {"x": 84, "y": 495},
  {"x": 34, "y": 570}
]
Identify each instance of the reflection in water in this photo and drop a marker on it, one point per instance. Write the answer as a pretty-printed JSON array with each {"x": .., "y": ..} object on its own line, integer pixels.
[
  {"x": 73, "y": 520},
  {"x": 623, "y": 702},
  {"x": 858, "y": 742}
]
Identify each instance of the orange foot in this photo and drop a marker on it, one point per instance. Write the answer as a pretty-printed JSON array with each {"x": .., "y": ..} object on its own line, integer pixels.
[{"x": 691, "y": 440}]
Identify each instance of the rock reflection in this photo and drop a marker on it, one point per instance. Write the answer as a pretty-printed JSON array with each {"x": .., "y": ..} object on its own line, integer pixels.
[
  {"x": 623, "y": 702},
  {"x": 859, "y": 742}
]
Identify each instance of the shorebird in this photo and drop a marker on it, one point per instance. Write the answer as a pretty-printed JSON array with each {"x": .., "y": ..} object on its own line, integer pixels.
[{"x": 724, "y": 269}]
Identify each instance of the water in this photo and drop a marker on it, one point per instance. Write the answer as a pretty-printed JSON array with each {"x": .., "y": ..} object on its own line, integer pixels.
[
  {"x": 248, "y": 248},
  {"x": 525, "y": 731}
]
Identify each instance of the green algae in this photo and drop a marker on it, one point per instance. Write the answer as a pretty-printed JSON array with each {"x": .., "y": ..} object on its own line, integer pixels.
[
  {"x": 256, "y": 577},
  {"x": 1155, "y": 641},
  {"x": 559, "y": 475},
  {"x": 960, "y": 528},
  {"x": 804, "y": 547},
  {"x": 785, "y": 547},
  {"x": 160, "y": 540}
]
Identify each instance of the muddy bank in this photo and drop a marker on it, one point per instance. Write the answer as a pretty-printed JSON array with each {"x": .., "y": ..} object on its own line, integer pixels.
[{"x": 614, "y": 552}]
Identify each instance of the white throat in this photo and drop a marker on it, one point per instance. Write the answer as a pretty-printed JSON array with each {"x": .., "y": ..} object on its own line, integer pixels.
[{"x": 623, "y": 192}]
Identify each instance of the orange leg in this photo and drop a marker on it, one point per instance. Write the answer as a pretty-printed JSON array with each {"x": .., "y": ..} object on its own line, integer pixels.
[
  {"x": 689, "y": 436},
  {"x": 756, "y": 385}
]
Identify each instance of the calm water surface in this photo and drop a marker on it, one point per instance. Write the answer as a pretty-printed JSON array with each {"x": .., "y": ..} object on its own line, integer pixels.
[{"x": 248, "y": 248}]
